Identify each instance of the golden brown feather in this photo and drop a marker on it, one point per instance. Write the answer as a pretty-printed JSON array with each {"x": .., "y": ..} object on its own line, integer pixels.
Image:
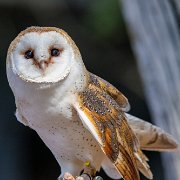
[{"x": 118, "y": 140}]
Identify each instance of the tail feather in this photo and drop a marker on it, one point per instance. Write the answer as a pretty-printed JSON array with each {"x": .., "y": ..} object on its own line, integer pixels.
[{"x": 150, "y": 136}]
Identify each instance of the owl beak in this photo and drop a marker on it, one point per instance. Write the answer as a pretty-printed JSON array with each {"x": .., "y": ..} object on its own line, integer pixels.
[{"x": 43, "y": 64}]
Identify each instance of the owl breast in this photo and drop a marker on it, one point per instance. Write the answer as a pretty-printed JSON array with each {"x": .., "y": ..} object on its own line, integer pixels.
[{"x": 62, "y": 131}]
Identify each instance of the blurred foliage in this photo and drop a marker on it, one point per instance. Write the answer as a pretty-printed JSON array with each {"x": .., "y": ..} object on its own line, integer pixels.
[{"x": 105, "y": 19}]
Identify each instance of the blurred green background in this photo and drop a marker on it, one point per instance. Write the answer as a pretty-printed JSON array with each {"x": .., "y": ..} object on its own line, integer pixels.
[{"x": 99, "y": 31}]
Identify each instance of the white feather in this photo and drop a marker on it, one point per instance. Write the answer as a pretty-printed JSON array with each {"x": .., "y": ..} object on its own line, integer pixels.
[
  {"x": 88, "y": 125},
  {"x": 41, "y": 43},
  {"x": 45, "y": 99}
]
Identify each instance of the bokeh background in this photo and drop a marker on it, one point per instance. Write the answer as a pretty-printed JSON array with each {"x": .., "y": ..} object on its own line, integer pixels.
[{"x": 99, "y": 31}]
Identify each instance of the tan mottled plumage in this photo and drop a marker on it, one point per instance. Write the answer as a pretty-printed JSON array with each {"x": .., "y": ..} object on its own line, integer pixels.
[
  {"x": 78, "y": 115},
  {"x": 103, "y": 105}
]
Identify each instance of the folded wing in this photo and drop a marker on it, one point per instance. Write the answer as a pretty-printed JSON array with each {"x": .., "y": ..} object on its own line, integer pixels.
[{"x": 100, "y": 108}]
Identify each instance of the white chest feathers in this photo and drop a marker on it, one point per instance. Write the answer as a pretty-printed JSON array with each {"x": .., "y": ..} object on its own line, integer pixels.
[{"x": 59, "y": 126}]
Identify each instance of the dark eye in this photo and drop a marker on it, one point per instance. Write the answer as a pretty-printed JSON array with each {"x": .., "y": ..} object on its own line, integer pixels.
[
  {"x": 55, "y": 52},
  {"x": 29, "y": 54}
]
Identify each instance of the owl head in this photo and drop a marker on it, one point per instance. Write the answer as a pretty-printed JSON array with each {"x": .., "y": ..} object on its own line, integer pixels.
[{"x": 42, "y": 55}]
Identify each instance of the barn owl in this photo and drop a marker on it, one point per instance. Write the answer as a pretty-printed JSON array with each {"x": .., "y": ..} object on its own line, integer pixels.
[{"x": 78, "y": 115}]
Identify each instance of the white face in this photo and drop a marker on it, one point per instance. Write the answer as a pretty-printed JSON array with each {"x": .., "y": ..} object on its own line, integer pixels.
[{"x": 42, "y": 57}]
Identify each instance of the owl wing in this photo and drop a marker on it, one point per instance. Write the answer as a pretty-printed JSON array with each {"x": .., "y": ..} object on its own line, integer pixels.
[
  {"x": 100, "y": 110},
  {"x": 120, "y": 99},
  {"x": 151, "y": 137}
]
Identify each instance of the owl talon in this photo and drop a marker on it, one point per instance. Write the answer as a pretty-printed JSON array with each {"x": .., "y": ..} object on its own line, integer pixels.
[
  {"x": 80, "y": 178},
  {"x": 98, "y": 178},
  {"x": 67, "y": 176},
  {"x": 85, "y": 177},
  {"x": 88, "y": 174}
]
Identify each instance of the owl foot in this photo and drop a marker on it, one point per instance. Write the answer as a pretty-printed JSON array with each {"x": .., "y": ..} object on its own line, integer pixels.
[
  {"x": 88, "y": 173},
  {"x": 68, "y": 176}
]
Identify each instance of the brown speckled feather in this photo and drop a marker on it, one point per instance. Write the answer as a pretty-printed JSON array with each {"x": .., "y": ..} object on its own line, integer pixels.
[
  {"x": 102, "y": 105},
  {"x": 113, "y": 92}
]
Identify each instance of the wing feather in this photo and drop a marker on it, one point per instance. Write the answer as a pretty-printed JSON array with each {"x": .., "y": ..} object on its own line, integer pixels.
[
  {"x": 113, "y": 92},
  {"x": 119, "y": 134},
  {"x": 104, "y": 118},
  {"x": 142, "y": 164}
]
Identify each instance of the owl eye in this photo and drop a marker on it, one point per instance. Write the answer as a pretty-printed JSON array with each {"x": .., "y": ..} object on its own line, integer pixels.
[
  {"x": 55, "y": 52},
  {"x": 29, "y": 54}
]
